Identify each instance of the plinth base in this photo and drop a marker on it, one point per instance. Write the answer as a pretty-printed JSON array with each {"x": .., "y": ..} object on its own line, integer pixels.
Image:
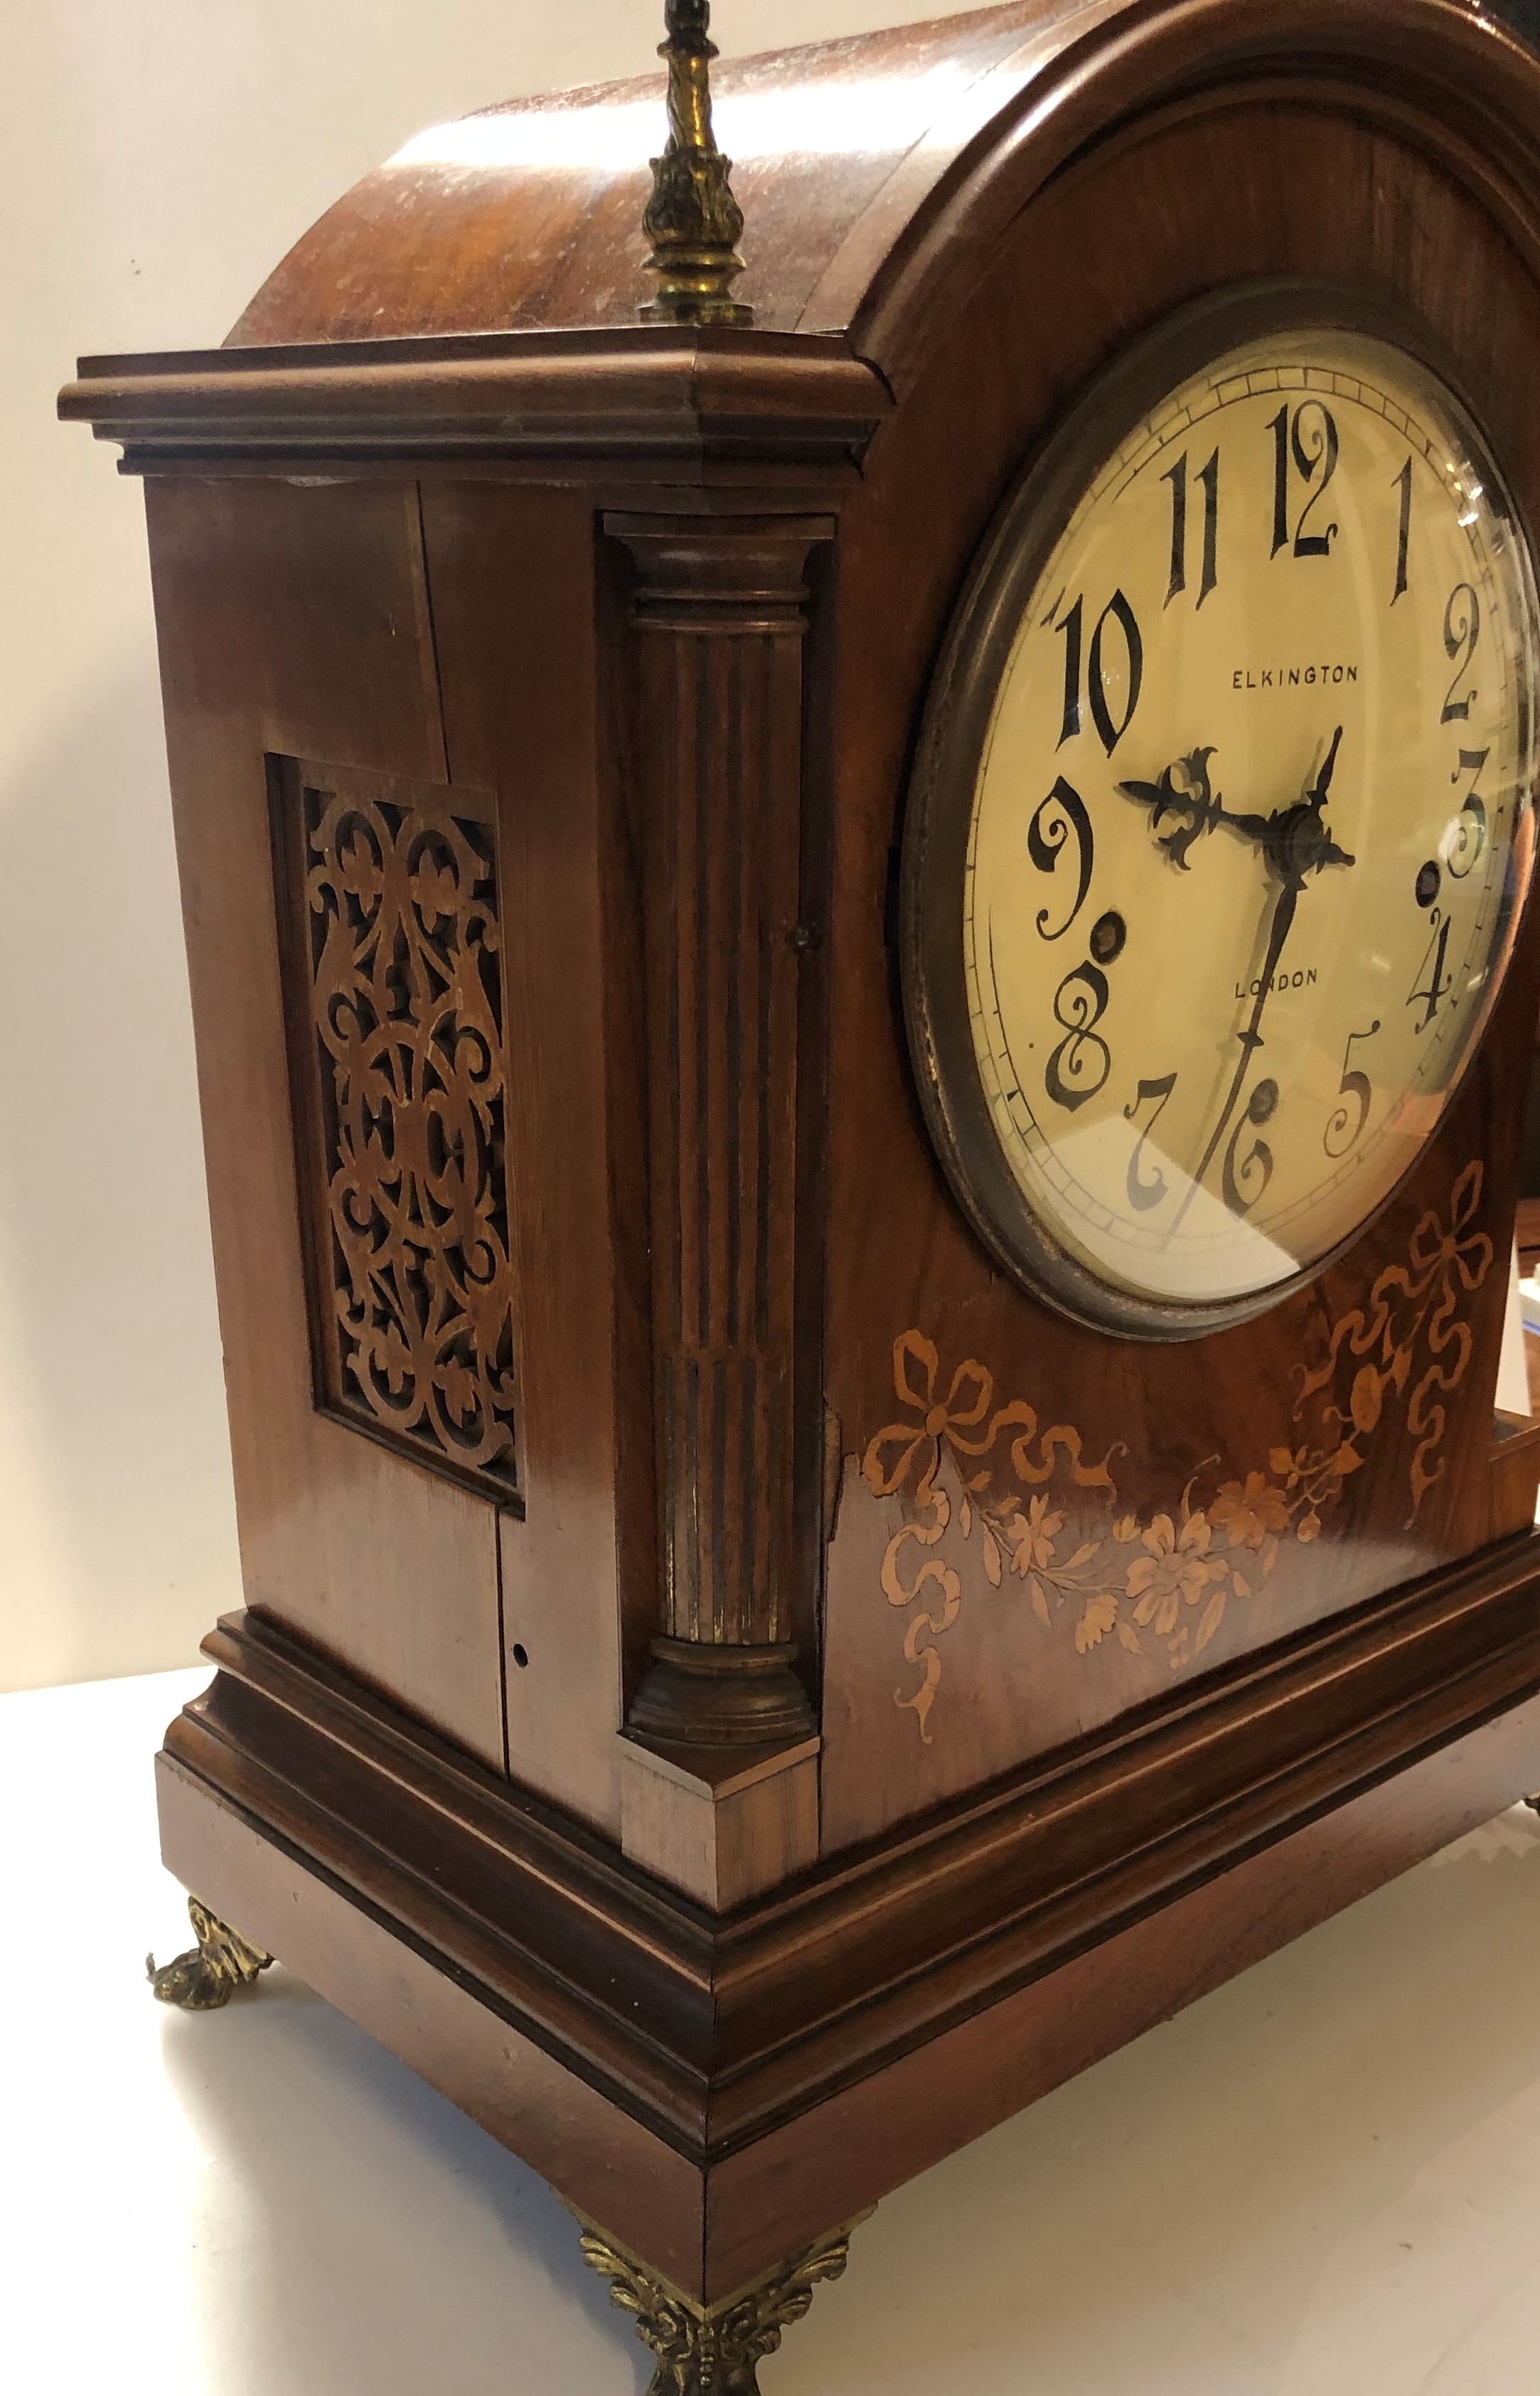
[{"x": 722, "y": 2093}]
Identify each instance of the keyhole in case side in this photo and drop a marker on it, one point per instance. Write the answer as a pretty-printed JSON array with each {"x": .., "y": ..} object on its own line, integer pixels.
[{"x": 521, "y": 1655}]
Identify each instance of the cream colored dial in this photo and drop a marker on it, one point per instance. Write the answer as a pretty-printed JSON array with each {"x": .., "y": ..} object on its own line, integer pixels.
[{"x": 1240, "y": 862}]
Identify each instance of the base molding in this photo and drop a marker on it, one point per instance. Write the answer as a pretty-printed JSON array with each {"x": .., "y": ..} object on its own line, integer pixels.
[{"x": 721, "y": 2091}]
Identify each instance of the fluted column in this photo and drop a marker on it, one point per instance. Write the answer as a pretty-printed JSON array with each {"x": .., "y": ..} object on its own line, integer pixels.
[{"x": 717, "y": 624}]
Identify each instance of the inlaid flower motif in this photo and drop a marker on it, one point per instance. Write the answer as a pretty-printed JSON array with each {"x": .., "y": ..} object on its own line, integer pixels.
[
  {"x": 1174, "y": 1566},
  {"x": 1157, "y": 1587},
  {"x": 1034, "y": 1537},
  {"x": 1247, "y": 1510}
]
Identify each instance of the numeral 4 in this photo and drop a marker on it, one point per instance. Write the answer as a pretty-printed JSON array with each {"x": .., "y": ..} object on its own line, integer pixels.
[{"x": 1438, "y": 983}]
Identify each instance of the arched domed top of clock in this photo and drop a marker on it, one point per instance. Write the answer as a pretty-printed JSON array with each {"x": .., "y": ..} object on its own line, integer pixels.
[{"x": 864, "y": 166}]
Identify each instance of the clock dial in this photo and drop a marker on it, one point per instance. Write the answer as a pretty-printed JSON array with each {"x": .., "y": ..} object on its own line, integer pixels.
[{"x": 1245, "y": 790}]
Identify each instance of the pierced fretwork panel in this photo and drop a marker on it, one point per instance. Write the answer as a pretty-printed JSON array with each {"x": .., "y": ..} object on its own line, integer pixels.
[{"x": 396, "y": 1010}]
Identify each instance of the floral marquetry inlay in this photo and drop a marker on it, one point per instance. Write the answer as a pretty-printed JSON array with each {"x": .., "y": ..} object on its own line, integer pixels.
[
  {"x": 397, "y": 1028},
  {"x": 985, "y": 1481}
]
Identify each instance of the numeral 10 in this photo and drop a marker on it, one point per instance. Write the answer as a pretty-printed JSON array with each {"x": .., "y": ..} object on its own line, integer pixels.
[{"x": 1072, "y": 627}]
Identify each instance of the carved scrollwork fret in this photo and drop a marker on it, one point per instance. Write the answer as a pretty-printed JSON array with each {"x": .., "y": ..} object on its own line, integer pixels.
[{"x": 395, "y": 943}]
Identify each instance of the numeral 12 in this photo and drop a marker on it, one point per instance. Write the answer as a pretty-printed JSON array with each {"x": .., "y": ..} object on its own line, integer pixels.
[{"x": 1313, "y": 441}]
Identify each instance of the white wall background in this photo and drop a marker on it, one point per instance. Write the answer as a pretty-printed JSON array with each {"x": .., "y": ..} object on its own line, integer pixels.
[{"x": 158, "y": 158}]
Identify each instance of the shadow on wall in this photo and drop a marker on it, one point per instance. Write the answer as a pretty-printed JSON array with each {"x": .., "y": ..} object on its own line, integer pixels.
[{"x": 118, "y": 1542}]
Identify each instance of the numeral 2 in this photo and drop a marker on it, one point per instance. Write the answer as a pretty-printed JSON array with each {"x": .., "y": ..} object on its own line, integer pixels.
[
  {"x": 1209, "y": 479},
  {"x": 1460, "y": 636},
  {"x": 1313, "y": 441}
]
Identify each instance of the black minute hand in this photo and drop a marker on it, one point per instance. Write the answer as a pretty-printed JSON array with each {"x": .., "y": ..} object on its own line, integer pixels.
[
  {"x": 1251, "y": 1038},
  {"x": 1295, "y": 842}
]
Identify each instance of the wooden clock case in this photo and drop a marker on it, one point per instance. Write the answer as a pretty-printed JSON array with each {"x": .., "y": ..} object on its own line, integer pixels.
[{"x": 767, "y": 1699}]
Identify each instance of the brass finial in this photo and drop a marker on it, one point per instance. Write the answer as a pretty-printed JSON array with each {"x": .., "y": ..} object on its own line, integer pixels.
[{"x": 693, "y": 221}]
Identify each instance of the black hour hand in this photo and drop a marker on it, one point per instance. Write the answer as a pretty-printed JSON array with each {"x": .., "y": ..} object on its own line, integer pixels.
[{"x": 1184, "y": 796}]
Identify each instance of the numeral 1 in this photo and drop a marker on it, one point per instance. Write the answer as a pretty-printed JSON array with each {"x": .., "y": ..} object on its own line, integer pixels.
[
  {"x": 1070, "y": 627},
  {"x": 1403, "y": 483},
  {"x": 1209, "y": 478}
]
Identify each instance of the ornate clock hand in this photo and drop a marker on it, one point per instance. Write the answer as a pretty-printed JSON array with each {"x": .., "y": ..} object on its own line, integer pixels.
[
  {"x": 1200, "y": 807},
  {"x": 1295, "y": 844},
  {"x": 1250, "y": 1039}
]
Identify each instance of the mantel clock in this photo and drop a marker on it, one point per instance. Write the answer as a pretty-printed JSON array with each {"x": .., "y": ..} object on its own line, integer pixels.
[{"x": 853, "y": 772}]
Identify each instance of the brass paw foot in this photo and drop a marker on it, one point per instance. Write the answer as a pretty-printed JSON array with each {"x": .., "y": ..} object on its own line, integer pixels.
[
  {"x": 715, "y": 2350},
  {"x": 1533, "y": 1803},
  {"x": 209, "y": 1973}
]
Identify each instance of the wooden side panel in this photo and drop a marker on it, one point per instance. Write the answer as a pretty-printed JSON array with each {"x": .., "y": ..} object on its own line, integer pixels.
[
  {"x": 952, "y": 1653},
  {"x": 512, "y": 580},
  {"x": 294, "y": 622}
]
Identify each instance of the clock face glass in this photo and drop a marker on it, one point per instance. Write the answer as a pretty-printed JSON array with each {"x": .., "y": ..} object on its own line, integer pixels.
[{"x": 1250, "y": 818}]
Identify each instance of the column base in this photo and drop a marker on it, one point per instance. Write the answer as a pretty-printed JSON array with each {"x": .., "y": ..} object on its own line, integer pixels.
[{"x": 696, "y": 1694}]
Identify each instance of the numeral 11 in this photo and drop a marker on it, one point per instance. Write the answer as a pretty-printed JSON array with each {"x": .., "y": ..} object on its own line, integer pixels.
[{"x": 1209, "y": 479}]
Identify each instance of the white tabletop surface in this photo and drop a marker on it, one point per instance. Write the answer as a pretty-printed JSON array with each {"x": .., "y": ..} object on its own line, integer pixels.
[{"x": 1324, "y": 2180}]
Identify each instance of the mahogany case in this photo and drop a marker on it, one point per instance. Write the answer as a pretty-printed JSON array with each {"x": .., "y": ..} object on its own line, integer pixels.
[{"x": 607, "y": 1358}]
